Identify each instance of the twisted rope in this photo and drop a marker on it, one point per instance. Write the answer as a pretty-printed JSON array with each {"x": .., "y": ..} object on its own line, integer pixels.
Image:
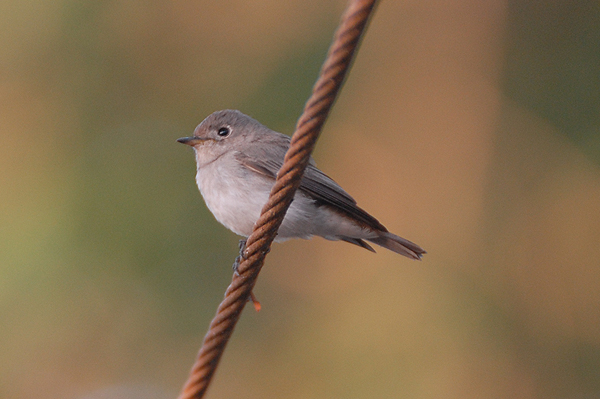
[{"x": 296, "y": 159}]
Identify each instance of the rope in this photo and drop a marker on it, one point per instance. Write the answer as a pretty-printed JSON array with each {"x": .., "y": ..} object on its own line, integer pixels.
[{"x": 303, "y": 141}]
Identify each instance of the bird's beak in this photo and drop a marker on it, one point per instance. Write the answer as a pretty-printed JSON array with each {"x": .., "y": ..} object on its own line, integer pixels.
[{"x": 191, "y": 141}]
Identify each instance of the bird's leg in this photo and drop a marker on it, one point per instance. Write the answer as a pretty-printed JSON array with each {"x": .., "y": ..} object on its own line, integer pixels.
[
  {"x": 236, "y": 264},
  {"x": 241, "y": 256}
]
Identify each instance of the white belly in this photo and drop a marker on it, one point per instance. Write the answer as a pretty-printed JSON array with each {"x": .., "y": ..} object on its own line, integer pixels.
[{"x": 230, "y": 196}]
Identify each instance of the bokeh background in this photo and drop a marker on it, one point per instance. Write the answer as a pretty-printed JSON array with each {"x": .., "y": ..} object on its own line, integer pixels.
[{"x": 469, "y": 127}]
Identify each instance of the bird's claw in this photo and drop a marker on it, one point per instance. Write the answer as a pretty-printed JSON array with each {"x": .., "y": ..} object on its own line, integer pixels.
[{"x": 240, "y": 257}]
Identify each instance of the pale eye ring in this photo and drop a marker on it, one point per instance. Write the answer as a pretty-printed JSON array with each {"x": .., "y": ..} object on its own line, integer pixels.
[{"x": 224, "y": 131}]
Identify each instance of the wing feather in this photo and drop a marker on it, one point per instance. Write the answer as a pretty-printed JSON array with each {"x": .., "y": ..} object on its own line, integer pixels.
[{"x": 314, "y": 184}]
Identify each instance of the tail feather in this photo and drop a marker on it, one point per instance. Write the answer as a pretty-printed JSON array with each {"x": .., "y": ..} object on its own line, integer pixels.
[
  {"x": 359, "y": 242},
  {"x": 399, "y": 245}
]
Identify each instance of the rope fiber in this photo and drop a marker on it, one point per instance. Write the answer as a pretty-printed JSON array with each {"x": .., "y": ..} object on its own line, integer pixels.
[{"x": 308, "y": 128}]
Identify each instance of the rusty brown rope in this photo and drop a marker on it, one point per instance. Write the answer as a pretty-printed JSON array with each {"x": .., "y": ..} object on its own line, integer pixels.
[{"x": 308, "y": 128}]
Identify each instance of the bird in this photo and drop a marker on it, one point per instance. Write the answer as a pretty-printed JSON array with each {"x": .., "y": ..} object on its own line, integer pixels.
[{"x": 237, "y": 161}]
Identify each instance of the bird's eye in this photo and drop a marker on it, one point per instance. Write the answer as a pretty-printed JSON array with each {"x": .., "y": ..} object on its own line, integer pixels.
[{"x": 223, "y": 132}]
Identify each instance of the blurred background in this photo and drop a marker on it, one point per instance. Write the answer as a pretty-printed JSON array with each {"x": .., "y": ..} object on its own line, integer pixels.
[{"x": 471, "y": 128}]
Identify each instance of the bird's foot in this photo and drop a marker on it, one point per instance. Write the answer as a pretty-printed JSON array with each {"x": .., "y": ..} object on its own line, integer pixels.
[
  {"x": 236, "y": 265},
  {"x": 240, "y": 257}
]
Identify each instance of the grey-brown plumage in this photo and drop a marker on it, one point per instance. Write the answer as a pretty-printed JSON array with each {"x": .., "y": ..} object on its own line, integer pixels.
[{"x": 237, "y": 162}]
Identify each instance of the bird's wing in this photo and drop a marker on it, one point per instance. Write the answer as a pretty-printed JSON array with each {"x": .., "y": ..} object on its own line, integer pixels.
[{"x": 314, "y": 183}]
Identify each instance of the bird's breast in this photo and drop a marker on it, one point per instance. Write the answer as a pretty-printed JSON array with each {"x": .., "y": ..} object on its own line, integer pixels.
[{"x": 234, "y": 195}]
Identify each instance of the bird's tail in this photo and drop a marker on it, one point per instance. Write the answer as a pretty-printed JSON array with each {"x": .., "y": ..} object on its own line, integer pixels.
[{"x": 399, "y": 245}]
